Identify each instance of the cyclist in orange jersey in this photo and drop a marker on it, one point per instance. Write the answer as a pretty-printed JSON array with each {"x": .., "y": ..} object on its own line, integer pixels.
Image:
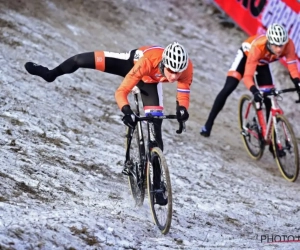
[
  {"x": 146, "y": 67},
  {"x": 252, "y": 60}
]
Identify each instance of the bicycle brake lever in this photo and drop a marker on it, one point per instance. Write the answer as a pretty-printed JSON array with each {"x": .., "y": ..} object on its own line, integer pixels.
[
  {"x": 181, "y": 127},
  {"x": 298, "y": 101}
]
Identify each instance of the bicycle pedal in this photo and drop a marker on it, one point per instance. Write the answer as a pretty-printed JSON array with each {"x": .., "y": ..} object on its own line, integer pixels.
[
  {"x": 244, "y": 133},
  {"x": 126, "y": 172}
]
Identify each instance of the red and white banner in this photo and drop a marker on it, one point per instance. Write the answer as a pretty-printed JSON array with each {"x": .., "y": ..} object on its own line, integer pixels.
[{"x": 254, "y": 16}]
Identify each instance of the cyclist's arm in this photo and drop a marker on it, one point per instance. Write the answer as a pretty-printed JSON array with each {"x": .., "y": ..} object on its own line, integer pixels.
[
  {"x": 183, "y": 86},
  {"x": 291, "y": 60},
  {"x": 140, "y": 69},
  {"x": 250, "y": 67}
]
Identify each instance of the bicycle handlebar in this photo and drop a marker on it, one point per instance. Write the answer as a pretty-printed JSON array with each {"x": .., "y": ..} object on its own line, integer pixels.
[
  {"x": 181, "y": 127},
  {"x": 153, "y": 117},
  {"x": 276, "y": 92}
]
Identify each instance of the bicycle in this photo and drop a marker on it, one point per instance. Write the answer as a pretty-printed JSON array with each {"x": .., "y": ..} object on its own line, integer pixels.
[
  {"x": 277, "y": 132},
  {"x": 148, "y": 168}
]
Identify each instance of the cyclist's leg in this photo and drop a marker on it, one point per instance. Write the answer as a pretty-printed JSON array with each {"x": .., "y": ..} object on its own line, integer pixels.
[
  {"x": 264, "y": 77},
  {"x": 110, "y": 62},
  {"x": 234, "y": 76},
  {"x": 152, "y": 99},
  {"x": 230, "y": 85}
]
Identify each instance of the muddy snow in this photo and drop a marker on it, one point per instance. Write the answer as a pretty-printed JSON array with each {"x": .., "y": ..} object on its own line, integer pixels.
[{"x": 62, "y": 143}]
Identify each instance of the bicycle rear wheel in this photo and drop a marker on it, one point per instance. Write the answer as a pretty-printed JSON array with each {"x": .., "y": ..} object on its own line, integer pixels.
[
  {"x": 135, "y": 164},
  {"x": 159, "y": 190},
  {"x": 248, "y": 123},
  {"x": 285, "y": 148}
]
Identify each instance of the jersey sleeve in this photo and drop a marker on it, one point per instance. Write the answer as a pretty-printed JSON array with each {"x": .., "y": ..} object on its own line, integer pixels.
[
  {"x": 291, "y": 60},
  {"x": 250, "y": 67},
  {"x": 183, "y": 87},
  {"x": 141, "y": 68}
]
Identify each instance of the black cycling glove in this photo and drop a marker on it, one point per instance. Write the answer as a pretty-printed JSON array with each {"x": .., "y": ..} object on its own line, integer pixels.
[
  {"x": 129, "y": 117},
  {"x": 258, "y": 98},
  {"x": 298, "y": 91},
  {"x": 182, "y": 114},
  {"x": 296, "y": 81}
]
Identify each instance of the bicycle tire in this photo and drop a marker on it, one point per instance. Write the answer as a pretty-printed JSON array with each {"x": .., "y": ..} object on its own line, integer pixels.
[
  {"x": 161, "y": 214},
  {"x": 135, "y": 181},
  {"x": 290, "y": 146},
  {"x": 251, "y": 133}
]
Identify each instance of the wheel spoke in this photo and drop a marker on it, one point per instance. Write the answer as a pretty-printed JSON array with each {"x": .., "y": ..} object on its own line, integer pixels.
[
  {"x": 250, "y": 133},
  {"x": 286, "y": 148},
  {"x": 136, "y": 183},
  {"x": 160, "y": 191}
]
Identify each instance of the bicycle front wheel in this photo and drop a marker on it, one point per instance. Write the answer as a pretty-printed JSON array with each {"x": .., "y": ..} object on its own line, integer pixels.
[
  {"x": 285, "y": 148},
  {"x": 136, "y": 165},
  {"x": 249, "y": 127},
  {"x": 159, "y": 190}
]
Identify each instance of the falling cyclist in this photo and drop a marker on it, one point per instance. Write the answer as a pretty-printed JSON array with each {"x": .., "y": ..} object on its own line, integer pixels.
[{"x": 146, "y": 67}]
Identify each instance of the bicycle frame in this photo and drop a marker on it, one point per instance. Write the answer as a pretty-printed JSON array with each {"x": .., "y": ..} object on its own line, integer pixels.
[
  {"x": 266, "y": 129},
  {"x": 277, "y": 133},
  {"x": 146, "y": 151},
  {"x": 142, "y": 171},
  {"x": 142, "y": 154}
]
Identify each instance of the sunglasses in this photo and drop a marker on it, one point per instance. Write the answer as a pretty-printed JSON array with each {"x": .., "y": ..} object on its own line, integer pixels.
[
  {"x": 172, "y": 72},
  {"x": 280, "y": 46}
]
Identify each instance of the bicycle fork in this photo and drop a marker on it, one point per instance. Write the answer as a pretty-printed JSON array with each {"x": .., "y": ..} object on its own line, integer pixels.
[
  {"x": 278, "y": 142},
  {"x": 142, "y": 164},
  {"x": 253, "y": 127}
]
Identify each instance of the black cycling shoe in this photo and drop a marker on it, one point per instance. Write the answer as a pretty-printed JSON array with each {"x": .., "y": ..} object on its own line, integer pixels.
[
  {"x": 205, "y": 132},
  {"x": 271, "y": 150},
  {"x": 125, "y": 171},
  {"x": 160, "y": 199},
  {"x": 280, "y": 152},
  {"x": 39, "y": 70}
]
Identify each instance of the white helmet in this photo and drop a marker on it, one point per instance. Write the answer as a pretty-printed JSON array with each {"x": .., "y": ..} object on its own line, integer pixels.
[
  {"x": 175, "y": 57},
  {"x": 277, "y": 35}
]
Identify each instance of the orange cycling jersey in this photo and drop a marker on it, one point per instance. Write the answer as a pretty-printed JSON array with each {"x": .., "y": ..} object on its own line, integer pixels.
[
  {"x": 255, "y": 48},
  {"x": 146, "y": 68}
]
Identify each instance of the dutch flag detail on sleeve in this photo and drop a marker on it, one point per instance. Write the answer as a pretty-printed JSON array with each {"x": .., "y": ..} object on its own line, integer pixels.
[
  {"x": 187, "y": 91},
  {"x": 291, "y": 62}
]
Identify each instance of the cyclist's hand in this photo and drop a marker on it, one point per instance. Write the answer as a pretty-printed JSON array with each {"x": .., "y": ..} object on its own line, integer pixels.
[
  {"x": 129, "y": 117},
  {"x": 298, "y": 87},
  {"x": 258, "y": 98},
  {"x": 182, "y": 114},
  {"x": 129, "y": 120}
]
